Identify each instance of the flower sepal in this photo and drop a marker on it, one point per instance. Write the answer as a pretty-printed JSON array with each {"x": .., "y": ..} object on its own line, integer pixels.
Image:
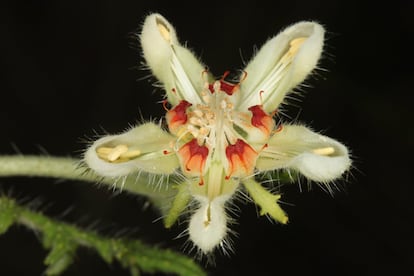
[{"x": 267, "y": 201}]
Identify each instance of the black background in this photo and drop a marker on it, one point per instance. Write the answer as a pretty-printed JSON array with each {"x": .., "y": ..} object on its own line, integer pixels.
[{"x": 70, "y": 68}]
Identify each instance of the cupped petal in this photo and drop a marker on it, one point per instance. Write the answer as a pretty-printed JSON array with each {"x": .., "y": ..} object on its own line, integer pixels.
[
  {"x": 281, "y": 64},
  {"x": 174, "y": 65},
  {"x": 317, "y": 157},
  {"x": 208, "y": 224},
  {"x": 143, "y": 148}
]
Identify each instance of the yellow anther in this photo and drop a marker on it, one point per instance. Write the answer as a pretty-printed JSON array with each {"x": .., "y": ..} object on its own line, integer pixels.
[
  {"x": 207, "y": 221},
  {"x": 163, "y": 29},
  {"x": 295, "y": 45},
  {"x": 130, "y": 154},
  {"x": 195, "y": 121},
  {"x": 204, "y": 131},
  {"x": 198, "y": 113},
  {"x": 104, "y": 150},
  {"x": 206, "y": 99},
  {"x": 117, "y": 152},
  {"x": 324, "y": 151}
]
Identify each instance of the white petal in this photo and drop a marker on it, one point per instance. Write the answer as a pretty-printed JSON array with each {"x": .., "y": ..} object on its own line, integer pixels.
[
  {"x": 148, "y": 141},
  {"x": 281, "y": 64},
  {"x": 174, "y": 65},
  {"x": 208, "y": 225},
  {"x": 317, "y": 157}
]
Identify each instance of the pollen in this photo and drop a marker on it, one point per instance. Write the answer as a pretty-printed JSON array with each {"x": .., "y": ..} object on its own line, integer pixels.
[
  {"x": 119, "y": 153},
  {"x": 324, "y": 151},
  {"x": 295, "y": 45},
  {"x": 163, "y": 29}
]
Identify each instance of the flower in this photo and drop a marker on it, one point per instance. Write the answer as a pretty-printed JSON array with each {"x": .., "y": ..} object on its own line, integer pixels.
[{"x": 222, "y": 134}]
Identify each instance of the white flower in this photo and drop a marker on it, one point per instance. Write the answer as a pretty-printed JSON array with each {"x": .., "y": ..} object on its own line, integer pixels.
[{"x": 221, "y": 134}]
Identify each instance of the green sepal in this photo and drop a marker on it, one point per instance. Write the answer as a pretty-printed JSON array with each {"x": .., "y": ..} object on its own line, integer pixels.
[
  {"x": 266, "y": 201},
  {"x": 178, "y": 205}
]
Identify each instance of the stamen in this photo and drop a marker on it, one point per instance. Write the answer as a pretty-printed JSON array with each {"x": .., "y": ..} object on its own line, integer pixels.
[
  {"x": 295, "y": 45},
  {"x": 163, "y": 29},
  {"x": 198, "y": 113},
  {"x": 226, "y": 73},
  {"x": 164, "y": 105},
  {"x": 208, "y": 218},
  {"x": 130, "y": 154},
  {"x": 119, "y": 153},
  {"x": 244, "y": 77},
  {"x": 116, "y": 152},
  {"x": 324, "y": 151},
  {"x": 261, "y": 97},
  {"x": 278, "y": 129}
]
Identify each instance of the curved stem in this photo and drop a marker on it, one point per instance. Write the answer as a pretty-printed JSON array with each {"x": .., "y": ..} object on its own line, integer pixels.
[
  {"x": 68, "y": 168},
  {"x": 63, "y": 239}
]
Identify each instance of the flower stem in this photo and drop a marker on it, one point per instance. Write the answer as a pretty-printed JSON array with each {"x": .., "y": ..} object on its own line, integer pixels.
[{"x": 68, "y": 168}]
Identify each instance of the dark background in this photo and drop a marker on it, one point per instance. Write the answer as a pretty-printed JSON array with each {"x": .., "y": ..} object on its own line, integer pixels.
[{"x": 70, "y": 67}]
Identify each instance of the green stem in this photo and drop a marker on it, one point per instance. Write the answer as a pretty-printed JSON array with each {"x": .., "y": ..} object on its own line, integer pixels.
[
  {"x": 63, "y": 239},
  {"x": 68, "y": 168}
]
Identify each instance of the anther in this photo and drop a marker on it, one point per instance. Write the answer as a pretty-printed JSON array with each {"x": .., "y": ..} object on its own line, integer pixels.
[
  {"x": 195, "y": 121},
  {"x": 163, "y": 29},
  {"x": 208, "y": 218},
  {"x": 324, "y": 151},
  {"x": 198, "y": 113},
  {"x": 295, "y": 45},
  {"x": 118, "y": 153}
]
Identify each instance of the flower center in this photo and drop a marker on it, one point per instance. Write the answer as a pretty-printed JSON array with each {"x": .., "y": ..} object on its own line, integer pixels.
[
  {"x": 215, "y": 132},
  {"x": 211, "y": 121}
]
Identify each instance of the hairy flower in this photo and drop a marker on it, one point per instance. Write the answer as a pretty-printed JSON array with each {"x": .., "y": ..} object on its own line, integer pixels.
[{"x": 222, "y": 134}]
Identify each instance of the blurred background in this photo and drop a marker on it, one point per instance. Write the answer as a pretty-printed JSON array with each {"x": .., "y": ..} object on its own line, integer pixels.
[{"x": 69, "y": 68}]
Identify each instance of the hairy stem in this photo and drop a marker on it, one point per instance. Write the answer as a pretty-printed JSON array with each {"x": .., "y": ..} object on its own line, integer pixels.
[
  {"x": 68, "y": 168},
  {"x": 63, "y": 240}
]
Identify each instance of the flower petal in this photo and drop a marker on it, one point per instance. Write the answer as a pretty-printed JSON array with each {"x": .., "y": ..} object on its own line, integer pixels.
[
  {"x": 143, "y": 148},
  {"x": 174, "y": 65},
  {"x": 317, "y": 157},
  {"x": 282, "y": 63},
  {"x": 208, "y": 225}
]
